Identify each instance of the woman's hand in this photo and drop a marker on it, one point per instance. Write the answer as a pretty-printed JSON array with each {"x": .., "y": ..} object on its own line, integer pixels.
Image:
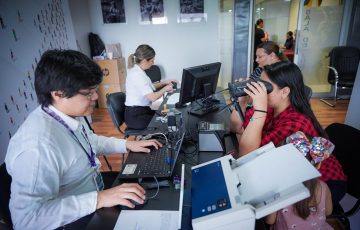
[
  {"x": 121, "y": 195},
  {"x": 168, "y": 88},
  {"x": 140, "y": 146},
  {"x": 258, "y": 93},
  {"x": 166, "y": 82},
  {"x": 244, "y": 101},
  {"x": 266, "y": 36}
]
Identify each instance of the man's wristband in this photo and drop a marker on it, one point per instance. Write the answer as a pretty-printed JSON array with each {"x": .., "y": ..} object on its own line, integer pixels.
[{"x": 259, "y": 110}]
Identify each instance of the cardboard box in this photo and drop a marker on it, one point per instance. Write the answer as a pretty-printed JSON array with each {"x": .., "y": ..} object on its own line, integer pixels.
[
  {"x": 105, "y": 89},
  {"x": 114, "y": 71}
]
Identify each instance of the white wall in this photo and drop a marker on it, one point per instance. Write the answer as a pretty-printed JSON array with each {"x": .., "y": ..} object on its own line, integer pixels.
[
  {"x": 177, "y": 45},
  {"x": 81, "y": 22},
  {"x": 37, "y": 28}
]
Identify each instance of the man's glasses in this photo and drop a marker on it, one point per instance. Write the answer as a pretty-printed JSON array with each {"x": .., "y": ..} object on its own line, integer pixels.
[{"x": 89, "y": 95}]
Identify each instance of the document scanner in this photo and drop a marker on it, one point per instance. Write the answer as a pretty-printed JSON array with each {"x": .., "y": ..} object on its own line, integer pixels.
[{"x": 230, "y": 194}]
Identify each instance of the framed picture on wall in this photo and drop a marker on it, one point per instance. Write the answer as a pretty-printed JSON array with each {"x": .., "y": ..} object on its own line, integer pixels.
[
  {"x": 192, "y": 11},
  {"x": 113, "y": 11},
  {"x": 152, "y": 12}
]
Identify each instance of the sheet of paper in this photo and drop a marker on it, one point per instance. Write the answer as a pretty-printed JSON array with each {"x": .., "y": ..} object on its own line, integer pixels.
[
  {"x": 173, "y": 98},
  {"x": 147, "y": 220}
]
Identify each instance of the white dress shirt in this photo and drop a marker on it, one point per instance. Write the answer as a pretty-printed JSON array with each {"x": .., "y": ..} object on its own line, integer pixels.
[
  {"x": 137, "y": 85},
  {"x": 52, "y": 180}
]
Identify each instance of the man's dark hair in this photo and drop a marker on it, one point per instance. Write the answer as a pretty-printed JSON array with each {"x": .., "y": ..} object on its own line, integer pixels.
[{"x": 64, "y": 70}]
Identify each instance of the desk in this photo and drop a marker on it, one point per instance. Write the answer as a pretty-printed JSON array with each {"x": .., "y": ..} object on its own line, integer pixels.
[{"x": 168, "y": 198}]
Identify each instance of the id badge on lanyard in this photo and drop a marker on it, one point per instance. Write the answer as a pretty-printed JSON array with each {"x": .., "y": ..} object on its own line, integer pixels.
[
  {"x": 99, "y": 183},
  {"x": 98, "y": 180}
]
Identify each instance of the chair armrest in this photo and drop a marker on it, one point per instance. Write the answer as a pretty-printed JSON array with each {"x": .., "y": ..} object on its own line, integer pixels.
[{"x": 335, "y": 72}]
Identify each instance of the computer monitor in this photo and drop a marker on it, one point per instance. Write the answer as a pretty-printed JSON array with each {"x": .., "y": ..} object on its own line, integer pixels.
[{"x": 199, "y": 82}]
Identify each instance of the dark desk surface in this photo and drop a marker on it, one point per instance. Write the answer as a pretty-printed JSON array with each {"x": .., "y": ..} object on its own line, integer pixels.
[{"x": 168, "y": 198}]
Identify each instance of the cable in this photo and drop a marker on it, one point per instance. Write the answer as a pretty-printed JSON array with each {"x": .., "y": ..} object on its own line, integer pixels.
[
  {"x": 154, "y": 134},
  {"x": 157, "y": 191},
  {"x": 216, "y": 93}
]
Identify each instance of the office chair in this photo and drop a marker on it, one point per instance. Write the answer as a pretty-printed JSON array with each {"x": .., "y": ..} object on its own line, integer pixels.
[
  {"x": 344, "y": 61},
  {"x": 116, "y": 108},
  {"x": 346, "y": 140},
  {"x": 5, "y": 180},
  {"x": 308, "y": 92},
  {"x": 154, "y": 73}
]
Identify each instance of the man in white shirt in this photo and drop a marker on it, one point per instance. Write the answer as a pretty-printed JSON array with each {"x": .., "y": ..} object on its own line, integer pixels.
[{"x": 52, "y": 157}]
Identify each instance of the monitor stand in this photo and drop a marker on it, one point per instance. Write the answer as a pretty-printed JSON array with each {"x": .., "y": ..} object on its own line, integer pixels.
[
  {"x": 201, "y": 110},
  {"x": 208, "y": 105}
]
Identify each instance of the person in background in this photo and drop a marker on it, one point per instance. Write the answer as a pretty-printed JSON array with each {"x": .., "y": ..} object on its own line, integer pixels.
[
  {"x": 311, "y": 212},
  {"x": 289, "y": 43},
  {"x": 140, "y": 91},
  {"x": 282, "y": 112},
  {"x": 259, "y": 37},
  {"x": 52, "y": 158},
  {"x": 266, "y": 53}
]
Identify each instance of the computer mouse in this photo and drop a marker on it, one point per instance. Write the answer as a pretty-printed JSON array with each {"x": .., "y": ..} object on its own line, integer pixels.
[
  {"x": 137, "y": 205},
  {"x": 151, "y": 148}
]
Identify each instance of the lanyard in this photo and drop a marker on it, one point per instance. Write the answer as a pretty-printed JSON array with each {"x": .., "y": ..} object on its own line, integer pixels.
[{"x": 90, "y": 156}]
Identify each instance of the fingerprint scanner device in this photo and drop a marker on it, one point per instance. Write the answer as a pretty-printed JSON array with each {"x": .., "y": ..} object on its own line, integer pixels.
[
  {"x": 231, "y": 194},
  {"x": 211, "y": 136}
]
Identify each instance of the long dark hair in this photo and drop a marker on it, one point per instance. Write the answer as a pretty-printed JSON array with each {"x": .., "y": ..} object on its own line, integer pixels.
[
  {"x": 302, "y": 207},
  {"x": 287, "y": 74}
]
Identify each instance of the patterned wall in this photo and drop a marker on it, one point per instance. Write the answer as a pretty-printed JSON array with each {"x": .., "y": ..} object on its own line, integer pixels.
[{"x": 27, "y": 30}]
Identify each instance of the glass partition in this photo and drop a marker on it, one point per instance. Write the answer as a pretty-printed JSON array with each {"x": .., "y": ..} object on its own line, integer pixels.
[{"x": 319, "y": 31}]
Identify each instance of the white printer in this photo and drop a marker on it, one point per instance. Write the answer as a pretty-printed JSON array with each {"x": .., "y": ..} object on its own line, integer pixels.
[{"x": 230, "y": 194}]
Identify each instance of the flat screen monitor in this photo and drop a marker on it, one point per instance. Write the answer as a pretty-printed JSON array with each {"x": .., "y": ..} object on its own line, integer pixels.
[{"x": 199, "y": 82}]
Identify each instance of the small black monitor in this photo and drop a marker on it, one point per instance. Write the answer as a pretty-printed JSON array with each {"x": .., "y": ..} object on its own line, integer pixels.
[{"x": 199, "y": 82}]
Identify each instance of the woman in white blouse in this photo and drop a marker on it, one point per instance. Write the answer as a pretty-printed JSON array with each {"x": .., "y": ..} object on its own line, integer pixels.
[{"x": 140, "y": 91}]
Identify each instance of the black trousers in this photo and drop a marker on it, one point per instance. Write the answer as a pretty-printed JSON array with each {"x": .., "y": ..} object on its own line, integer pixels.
[{"x": 138, "y": 117}]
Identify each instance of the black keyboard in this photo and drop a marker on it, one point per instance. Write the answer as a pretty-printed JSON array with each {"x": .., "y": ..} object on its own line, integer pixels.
[{"x": 157, "y": 162}]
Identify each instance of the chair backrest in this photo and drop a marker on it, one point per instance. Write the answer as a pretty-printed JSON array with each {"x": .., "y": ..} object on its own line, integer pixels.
[
  {"x": 5, "y": 180},
  {"x": 116, "y": 107},
  {"x": 346, "y": 140},
  {"x": 308, "y": 92},
  {"x": 345, "y": 59},
  {"x": 154, "y": 73}
]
